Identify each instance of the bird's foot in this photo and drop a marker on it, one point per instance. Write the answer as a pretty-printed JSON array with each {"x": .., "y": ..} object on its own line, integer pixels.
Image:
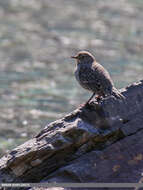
[
  {"x": 86, "y": 104},
  {"x": 98, "y": 99},
  {"x": 82, "y": 105}
]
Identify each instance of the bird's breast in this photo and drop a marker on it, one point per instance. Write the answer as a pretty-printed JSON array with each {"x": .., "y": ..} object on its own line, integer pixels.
[
  {"x": 76, "y": 73},
  {"x": 81, "y": 75}
]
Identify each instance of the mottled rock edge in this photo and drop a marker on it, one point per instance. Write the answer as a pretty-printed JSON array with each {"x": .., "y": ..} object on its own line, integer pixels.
[{"x": 97, "y": 143}]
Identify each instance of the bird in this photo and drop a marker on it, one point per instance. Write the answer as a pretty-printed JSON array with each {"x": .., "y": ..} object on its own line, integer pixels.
[{"x": 92, "y": 76}]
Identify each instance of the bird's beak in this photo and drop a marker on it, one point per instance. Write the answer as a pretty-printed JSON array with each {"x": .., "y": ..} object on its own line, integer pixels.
[{"x": 74, "y": 57}]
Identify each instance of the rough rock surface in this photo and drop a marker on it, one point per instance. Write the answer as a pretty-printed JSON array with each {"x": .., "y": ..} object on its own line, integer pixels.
[{"x": 97, "y": 143}]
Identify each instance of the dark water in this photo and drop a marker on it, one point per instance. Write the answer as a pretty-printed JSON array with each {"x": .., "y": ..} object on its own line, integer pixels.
[{"x": 37, "y": 38}]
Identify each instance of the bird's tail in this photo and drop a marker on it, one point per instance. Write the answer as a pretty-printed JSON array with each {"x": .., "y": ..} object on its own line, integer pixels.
[{"x": 117, "y": 94}]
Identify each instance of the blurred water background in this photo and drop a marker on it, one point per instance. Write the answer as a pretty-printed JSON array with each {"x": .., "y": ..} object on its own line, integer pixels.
[{"x": 37, "y": 38}]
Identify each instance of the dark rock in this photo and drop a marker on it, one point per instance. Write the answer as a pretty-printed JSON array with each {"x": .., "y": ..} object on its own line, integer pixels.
[{"x": 97, "y": 143}]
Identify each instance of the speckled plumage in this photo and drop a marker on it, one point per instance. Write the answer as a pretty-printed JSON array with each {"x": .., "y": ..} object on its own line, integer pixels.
[{"x": 93, "y": 76}]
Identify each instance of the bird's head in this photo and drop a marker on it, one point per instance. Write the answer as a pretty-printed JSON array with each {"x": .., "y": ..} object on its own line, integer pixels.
[{"x": 84, "y": 57}]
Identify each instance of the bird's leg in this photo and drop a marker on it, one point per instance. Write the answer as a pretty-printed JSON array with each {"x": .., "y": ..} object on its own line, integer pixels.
[
  {"x": 85, "y": 104},
  {"x": 90, "y": 98},
  {"x": 98, "y": 98}
]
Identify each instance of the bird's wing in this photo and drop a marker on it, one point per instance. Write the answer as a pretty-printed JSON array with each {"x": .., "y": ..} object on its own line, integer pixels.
[{"x": 103, "y": 75}]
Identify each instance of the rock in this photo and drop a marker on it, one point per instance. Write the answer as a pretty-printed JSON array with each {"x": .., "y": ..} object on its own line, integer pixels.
[{"x": 97, "y": 143}]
